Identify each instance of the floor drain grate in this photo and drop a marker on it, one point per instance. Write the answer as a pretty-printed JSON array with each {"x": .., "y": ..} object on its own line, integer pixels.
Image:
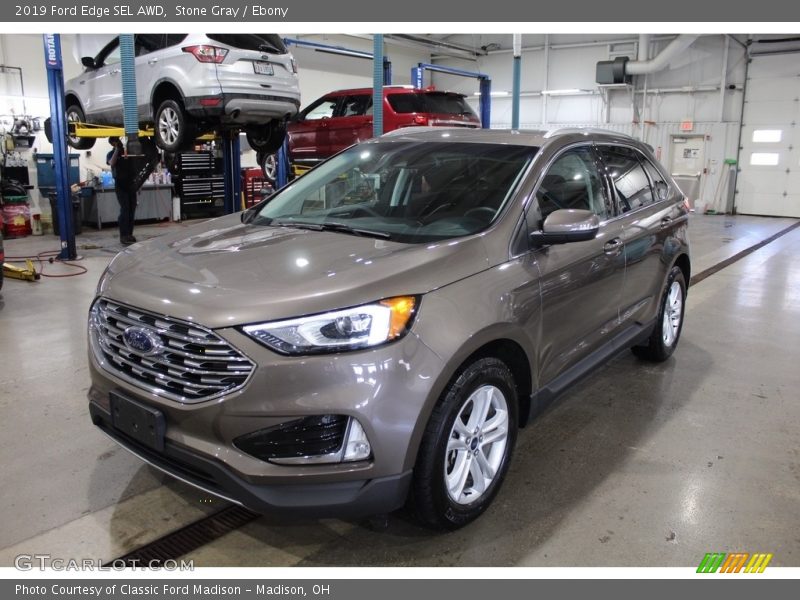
[{"x": 188, "y": 538}]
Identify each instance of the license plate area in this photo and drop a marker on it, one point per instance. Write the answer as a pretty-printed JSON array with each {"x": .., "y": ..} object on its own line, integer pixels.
[
  {"x": 263, "y": 68},
  {"x": 144, "y": 424}
]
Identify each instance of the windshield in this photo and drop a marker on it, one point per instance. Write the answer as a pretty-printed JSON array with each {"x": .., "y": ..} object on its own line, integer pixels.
[{"x": 411, "y": 192}]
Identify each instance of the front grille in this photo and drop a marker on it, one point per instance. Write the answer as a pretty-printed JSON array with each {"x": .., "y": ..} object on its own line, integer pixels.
[
  {"x": 320, "y": 435},
  {"x": 193, "y": 364}
]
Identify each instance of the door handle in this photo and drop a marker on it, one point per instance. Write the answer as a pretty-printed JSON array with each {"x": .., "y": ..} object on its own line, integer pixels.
[
  {"x": 152, "y": 61},
  {"x": 82, "y": 82},
  {"x": 114, "y": 71},
  {"x": 369, "y": 122},
  {"x": 612, "y": 246},
  {"x": 666, "y": 222}
]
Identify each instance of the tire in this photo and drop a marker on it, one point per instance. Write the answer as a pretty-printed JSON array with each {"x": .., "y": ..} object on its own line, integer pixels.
[
  {"x": 75, "y": 114},
  {"x": 667, "y": 332},
  {"x": 439, "y": 497},
  {"x": 266, "y": 139},
  {"x": 269, "y": 166},
  {"x": 174, "y": 130}
]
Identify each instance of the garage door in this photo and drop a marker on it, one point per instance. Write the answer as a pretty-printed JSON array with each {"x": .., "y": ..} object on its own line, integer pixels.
[{"x": 769, "y": 181}]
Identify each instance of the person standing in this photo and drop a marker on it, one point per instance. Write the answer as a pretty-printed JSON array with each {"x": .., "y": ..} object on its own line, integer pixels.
[{"x": 124, "y": 173}]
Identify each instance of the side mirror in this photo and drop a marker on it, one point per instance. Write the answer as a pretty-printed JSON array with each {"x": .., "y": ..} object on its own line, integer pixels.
[
  {"x": 248, "y": 215},
  {"x": 88, "y": 62},
  {"x": 565, "y": 226}
]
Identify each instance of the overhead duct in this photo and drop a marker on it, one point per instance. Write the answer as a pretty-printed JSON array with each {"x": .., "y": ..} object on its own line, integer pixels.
[
  {"x": 660, "y": 62},
  {"x": 621, "y": 69}
]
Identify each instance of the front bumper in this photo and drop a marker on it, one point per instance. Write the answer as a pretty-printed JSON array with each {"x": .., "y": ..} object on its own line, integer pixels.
[
  {"x": 349, "y": 498},
  {"x": 388, "y": 389}
]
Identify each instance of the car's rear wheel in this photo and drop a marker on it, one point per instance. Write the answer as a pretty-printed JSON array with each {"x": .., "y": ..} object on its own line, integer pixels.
[
  {"x": 467, "y": 446},
  {"x": 75, "y": 114},
  {"x": 664, "y": 339},
  {"x": 267, "y": 138},
  {"x": 174, "y": 130}
]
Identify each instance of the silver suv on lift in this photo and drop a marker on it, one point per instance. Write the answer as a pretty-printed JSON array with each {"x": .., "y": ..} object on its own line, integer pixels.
[{"x": 187, "y": 84}]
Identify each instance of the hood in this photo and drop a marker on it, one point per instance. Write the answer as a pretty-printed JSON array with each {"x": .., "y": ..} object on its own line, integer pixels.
[{"x": 225, "y": 273}]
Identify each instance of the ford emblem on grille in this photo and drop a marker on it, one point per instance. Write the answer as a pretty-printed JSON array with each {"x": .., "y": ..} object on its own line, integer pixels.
[{"x": 142, "y": 340}]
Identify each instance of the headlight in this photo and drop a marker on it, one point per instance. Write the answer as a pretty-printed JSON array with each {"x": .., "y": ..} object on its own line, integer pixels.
[{"x": 337, "y": 331}]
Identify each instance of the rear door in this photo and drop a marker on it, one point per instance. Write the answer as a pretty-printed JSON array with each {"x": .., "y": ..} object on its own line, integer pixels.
[
  {"x": 649, "y": 217},
  {"x": 102, "y": 91},
  {"x": 581, "y": 282},
  {"x": 151, "y": 51}
]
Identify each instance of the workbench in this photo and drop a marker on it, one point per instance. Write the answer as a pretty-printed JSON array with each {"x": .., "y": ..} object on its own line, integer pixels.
[{"x": 102, "y": 208}]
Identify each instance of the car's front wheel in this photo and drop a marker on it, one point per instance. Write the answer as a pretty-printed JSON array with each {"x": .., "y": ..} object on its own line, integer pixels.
[
  {"x": 664, "y": 339},
  {"x": 269, "y": 166},
  {"x": 266, "y": 139},
  {"x": 174, "y": 130},
  {"x": 75, "y": 114},
  {"x": 467, "y": 446}
]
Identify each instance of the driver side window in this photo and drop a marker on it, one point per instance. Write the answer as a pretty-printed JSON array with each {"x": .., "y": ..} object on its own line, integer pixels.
[
  {"x": 573, "y": 182},
  {"x": 322, "y": 110}
]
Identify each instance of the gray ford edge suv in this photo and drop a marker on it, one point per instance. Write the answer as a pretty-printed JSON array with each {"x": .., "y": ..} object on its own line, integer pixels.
[{"x": 379, "y": 330}]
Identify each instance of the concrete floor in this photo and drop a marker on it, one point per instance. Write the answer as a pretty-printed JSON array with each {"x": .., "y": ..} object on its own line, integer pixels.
[{"x": 641, "y": 465}]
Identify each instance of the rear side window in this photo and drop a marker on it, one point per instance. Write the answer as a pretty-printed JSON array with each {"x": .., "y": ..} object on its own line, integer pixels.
[
  {"x": 627, "y": 176},
  {"x": 354, "y": 106},
  {"x": 430, "y": 102},
  {"x": 660, "y": 185},
  {"x": 260, "y": 42}
]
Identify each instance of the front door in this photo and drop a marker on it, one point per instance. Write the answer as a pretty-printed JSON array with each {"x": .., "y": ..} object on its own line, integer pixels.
[{"x": 581, "y": 282}]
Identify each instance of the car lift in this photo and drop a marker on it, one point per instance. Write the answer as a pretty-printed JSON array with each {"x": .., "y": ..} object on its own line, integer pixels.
[
  {"x": 418, "y": 73},
  {"x": 55, "y": 89}
]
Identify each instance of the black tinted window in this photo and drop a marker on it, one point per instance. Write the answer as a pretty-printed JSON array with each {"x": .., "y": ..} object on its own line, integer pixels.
[
  {"x": 660, "y": 185},
  {"x": 628, "y": 177},
  {"x": 353, "y": 106},
  {"x": 430, "y": 102},
  {"x": 149, "y": 42},
  {"x": 572, "y": 182},
  {"x": 174, "y": 39},
  {"x": 261, "y": 42}
]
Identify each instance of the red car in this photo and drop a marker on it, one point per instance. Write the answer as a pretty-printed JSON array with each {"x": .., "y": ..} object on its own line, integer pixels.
[{"x": 342, "y": 118}]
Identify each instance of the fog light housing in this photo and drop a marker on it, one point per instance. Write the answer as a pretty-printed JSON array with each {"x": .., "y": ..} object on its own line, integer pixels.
[
  {"x": 356, "y": 446},
  {"x": 314, "y": 440}
]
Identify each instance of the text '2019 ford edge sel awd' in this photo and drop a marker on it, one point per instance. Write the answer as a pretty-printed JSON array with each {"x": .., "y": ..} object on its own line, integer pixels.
[{"x": 378, "y": 331}]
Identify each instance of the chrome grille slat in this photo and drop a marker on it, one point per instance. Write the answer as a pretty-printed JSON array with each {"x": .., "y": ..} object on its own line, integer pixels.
[
  {"x": 193, "y": 340},
  {"x": 195, "y": 364},
  {"x": 192, "y": 355},
  {"x": 148, "y": 369},
  {"x": 194, "y": 371}
]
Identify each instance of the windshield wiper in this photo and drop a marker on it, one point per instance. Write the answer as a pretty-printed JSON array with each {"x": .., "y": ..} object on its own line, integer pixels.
[{"x": 331, "y": 226}]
